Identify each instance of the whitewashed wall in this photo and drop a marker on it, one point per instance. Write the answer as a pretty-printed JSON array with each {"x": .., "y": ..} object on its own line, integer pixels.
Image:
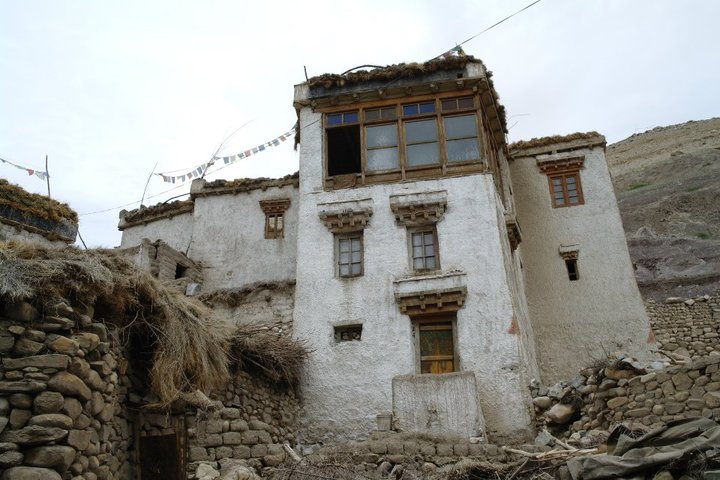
[
  {"x": 229, "y": 239},
  {"x": 345, "y": 385},
  {"x": 577, "y": 321},
  {"x": 175, "y": 231},
  {"x": 226, "y": 235}
]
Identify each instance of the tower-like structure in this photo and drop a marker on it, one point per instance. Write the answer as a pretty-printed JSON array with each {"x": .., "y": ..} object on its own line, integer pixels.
[{"x": 405, "y": 261}]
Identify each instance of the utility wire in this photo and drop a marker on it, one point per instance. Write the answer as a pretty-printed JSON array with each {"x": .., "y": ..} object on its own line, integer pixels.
[{"x": 494, "y": 25}]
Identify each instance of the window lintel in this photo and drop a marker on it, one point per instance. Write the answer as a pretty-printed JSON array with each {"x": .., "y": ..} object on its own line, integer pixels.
[
  {"x": 569, "y": 252},
  {"x": 275, "y": 206},
  {"x": 431, "y": 302},
  {"x": 564, "y": 164},
  {"x": 513, "y": 231},
  {"x": 346, "y": 221}
]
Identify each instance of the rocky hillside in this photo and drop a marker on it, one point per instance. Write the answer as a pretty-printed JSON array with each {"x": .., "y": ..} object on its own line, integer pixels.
[{"x": 667, "y": 181}]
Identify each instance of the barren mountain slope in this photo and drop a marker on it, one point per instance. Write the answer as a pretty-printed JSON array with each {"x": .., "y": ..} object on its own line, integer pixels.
[{"x": 667, "y": 181}]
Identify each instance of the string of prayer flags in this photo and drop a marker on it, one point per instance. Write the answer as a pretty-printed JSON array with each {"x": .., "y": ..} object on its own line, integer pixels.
[
  {"x": 198, "y": 171},
  {"x": 30, "y": 171}
]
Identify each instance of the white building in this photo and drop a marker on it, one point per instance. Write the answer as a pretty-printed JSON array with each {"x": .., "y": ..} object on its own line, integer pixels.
[{"x": 414, "y": 286}]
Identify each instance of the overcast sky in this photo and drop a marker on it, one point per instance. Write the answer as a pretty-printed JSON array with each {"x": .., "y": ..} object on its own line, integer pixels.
[{"x": 109, "y": 89}]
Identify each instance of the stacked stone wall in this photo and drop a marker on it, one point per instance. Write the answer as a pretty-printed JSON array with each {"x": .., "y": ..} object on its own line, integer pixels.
[
  {"x": 689, "y": 327},
  {"x": 61, "y": 396},
  {"x": 257, "y": 417},
  {"x": 686, "y": 331}
]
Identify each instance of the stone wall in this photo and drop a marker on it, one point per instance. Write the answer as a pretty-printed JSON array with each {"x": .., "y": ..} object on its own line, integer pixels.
[
  {"x": 689, "y": 327},
  {"x": 256, "y": 419},
  {"x": 599, "y": 399},
  {"x": 61, "y": 396},
  {"x": 75, "y": 405}
]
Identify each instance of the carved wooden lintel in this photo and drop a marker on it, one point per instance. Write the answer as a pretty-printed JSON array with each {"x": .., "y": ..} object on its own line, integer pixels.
[
  {"x": 347, "y": 220},
  {"x": 561, "y": 164},
  {"x": 416, "y": 214},
  {"x": 276, "y": 206},
  {"x": 513, "y": 232},
  {"x": 569, "y": 253},
  {"x": 432, "y": 302}
]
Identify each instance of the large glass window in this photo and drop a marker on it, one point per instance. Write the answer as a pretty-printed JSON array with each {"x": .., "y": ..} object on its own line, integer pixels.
[
  {"x": 421, "y": 138},
  {"x": 398, "y": 137},
  {"x": 382, "y": 147}
]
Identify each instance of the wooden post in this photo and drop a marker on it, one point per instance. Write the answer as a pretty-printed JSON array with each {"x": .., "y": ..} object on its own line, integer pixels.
[{"x": 47, "y": 175}]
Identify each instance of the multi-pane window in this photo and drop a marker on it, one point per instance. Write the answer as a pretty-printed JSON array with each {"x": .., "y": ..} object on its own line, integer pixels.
[
  {"x": 274, "y": 225},
  {"x": 436, "y": 346},
  {"x": 565, "y": 189},
  {"x": 423, "y": 249},
  {"x": 349, "y": 255},
  {"x": 275, "y": 217},
  {"x": 395, "y": 138}
]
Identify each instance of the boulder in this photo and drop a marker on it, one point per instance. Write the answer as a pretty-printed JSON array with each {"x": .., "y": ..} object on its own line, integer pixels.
[
  {"x": 30, "y": 473},
  {"x": 58, "y": 457},
  {"x": 19, "y": 417},
  {"x": 560, "y": 413},
  {"x": 33, "y": 435},
  {"x": 72, "y": 407},
  {"x": 68, "y": 384},
  {"x": 21, "y": 400},
  {"x": 79, "y": 439},
  {"x": 63, "y": 345},
  {"x": 53, "y": 360},
  {"x": 87, "y": 341},
  {"x": 206, "y": 472},
  {"x": 52, "y": 420},
  {"x": 25, "y": 347},
  {"x": 10, "y": 458},
  {"x": 48, "y": 402}
]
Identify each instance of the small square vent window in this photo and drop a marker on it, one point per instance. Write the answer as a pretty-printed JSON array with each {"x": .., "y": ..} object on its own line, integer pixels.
[{"x": 348, "y": 333}]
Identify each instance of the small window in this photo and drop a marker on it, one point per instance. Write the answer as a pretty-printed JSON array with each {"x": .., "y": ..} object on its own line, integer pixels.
[
  {"x": 349, "y": 249},
  {"x": 275, "y": 216},
  {"x": 566, "y": 190},
  {"x": 436, "y": 346},
  {"x": 423, "y": 249},
  {"x": 572, "y": 269},
  {"x": 348, "y": 333},
  {"x": 412, "y": 109},
  {"x": 180, "y": 271},
  {"x": 274, "y": 225},
  {"x": 453, "y": 104}
]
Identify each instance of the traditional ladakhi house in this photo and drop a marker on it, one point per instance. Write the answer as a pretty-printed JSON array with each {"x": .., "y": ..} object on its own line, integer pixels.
[{"x": 432, "y": 268}]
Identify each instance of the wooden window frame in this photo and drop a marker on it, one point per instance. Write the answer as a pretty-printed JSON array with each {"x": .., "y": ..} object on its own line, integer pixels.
[
  {"x": 432, "y": 229},
  {"x": 354, "y": 331},
  {"x": 271, "y": 225},
  {"x": 571, "y": 265},
  {"x": 451, "y": 322},
  {"x": 274, "y": 210},
  {"x": 563, "y": 176},
  {"x": 357, "y": 235},
  {"x": 404, "y": 171}
]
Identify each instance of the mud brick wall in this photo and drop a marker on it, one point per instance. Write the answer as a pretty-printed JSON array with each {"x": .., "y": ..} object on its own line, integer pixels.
[
  {"x": 256, "y": 419},
  {"x": 689, "y": 327},
  {"x": 61, "y": 396}
]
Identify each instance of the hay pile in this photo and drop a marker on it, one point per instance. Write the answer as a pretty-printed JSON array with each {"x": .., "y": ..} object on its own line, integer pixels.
[
  {"x": 35, "y": 205},
  {"x": 143, "y": 213},
  {"x": 391, "y": 72},
  {"x": 191, "y": 347},
  {"x": 551, "y": 140}
]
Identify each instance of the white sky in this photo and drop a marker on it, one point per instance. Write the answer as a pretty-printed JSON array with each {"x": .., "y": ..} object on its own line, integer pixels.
[{"x": 107, "y": 89}]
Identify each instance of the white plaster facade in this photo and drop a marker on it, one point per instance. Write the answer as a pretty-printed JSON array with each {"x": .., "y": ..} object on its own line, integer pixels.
[
  {"x": 501, "y": 279},
  {"x": 602, "y": 312}
]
